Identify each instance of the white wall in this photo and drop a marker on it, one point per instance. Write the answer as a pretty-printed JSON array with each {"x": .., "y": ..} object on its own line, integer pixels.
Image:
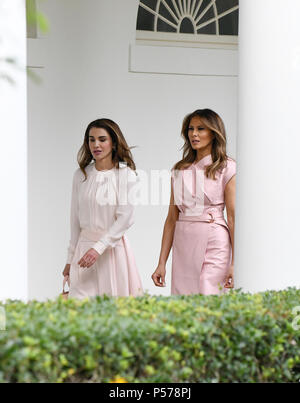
[{"x": 86, "y": 76}]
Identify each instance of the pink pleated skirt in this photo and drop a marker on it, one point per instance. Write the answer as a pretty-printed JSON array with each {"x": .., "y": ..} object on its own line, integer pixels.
[
  {"x": 201, "y": 256},
  {"x": 114, "y": 273}
]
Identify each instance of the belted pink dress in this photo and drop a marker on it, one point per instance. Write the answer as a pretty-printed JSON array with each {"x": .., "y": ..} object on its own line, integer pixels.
[
  {"x": 101, "y": 213},
  {"x": 201, "y": 250}
]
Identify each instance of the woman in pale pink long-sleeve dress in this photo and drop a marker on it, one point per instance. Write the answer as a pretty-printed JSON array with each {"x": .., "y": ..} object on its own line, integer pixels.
[
  {"x": 100, "y": 260},
  {"x": 202, "y": 185}
]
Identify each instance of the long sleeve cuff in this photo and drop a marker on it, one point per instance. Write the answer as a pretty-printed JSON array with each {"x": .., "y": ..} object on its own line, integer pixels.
[{"x": 99, "y": 247}]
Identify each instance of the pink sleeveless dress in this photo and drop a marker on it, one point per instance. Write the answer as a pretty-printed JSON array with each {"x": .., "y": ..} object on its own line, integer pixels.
[{"x": 201, "y": 250}]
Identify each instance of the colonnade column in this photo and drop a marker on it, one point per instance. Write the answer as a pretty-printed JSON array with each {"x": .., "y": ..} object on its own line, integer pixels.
[
  {"x": 267, "y": 237},
  {"x": 13, "y": 160}
]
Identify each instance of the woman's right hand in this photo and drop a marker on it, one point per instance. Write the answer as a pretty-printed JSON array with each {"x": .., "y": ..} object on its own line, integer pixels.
[
  {"x": 159, "y": 276},
  {"x": 66, "y": 271}
]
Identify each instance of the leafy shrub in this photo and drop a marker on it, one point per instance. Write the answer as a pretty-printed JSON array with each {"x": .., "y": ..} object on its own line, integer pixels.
[{"x": 236, "y": 337}]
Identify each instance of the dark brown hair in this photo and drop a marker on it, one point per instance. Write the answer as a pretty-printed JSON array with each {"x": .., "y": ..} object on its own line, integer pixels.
[
  {"x": 120, "y": 153},
  {"x": 212, "y": 121}
]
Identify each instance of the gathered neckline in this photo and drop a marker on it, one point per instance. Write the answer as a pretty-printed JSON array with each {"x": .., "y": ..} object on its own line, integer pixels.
[{"x": 102, "y": 170}]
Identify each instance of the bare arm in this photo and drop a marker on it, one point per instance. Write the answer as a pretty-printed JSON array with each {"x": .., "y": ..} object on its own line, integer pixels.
[
  {"x": 168, "y": 233},
  {"x": 158, "y": 276},
  {"x": 230, "y": 209}
]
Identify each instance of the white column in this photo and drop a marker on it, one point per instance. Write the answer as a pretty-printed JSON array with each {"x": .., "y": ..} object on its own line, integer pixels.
[
  {"x": 267, "y": 248},
  {"x": 13, "y": 160}
]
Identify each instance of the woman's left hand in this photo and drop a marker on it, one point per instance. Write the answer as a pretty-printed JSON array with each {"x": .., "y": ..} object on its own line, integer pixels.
[
  {"x": 89, "y": 258},
  {"x": 229, "y": 278}
]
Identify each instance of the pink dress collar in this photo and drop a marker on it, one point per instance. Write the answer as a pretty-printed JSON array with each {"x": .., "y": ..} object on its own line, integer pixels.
[{"x": 204, "y": 161}]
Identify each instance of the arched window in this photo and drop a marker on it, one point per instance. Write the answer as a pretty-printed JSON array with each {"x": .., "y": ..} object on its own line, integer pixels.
[{"x": 208, "y": 21}]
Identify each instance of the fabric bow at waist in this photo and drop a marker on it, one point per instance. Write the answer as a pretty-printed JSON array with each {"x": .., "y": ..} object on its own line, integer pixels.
[{"x": 211, "y": 216}]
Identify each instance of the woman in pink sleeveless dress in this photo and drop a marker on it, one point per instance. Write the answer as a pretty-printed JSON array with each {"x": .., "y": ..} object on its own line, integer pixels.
[
  {"x": 100, "y": 260},
  {"x": 202, "y": 185}
]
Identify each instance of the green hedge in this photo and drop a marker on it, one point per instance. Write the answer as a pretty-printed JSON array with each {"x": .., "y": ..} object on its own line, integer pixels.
[{"x": 237, "y": 337}]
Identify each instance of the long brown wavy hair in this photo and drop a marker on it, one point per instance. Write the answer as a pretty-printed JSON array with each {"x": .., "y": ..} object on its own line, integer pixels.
[
  {"x": 120, "y": 153},
  {"x": 212, "y": 121}
]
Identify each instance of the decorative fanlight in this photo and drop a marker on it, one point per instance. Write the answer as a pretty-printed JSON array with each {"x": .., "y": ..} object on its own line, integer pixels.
[{"x": 216, "y": 17}]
